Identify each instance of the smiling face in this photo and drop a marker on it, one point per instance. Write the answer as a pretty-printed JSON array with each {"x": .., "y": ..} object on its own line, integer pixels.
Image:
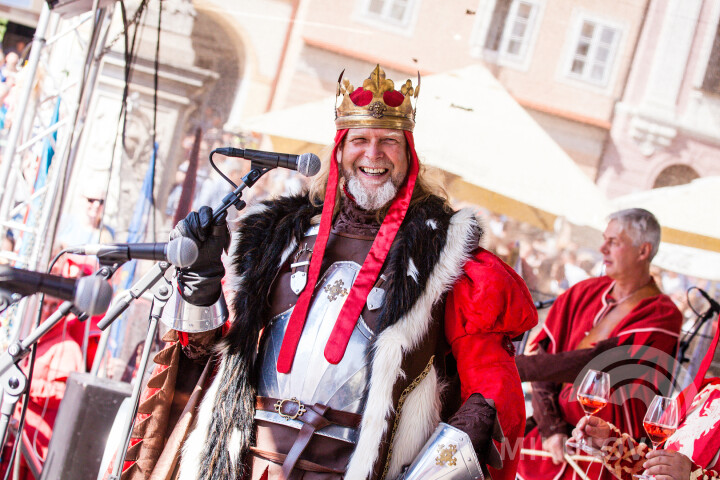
[
  {"x": 374, "y": 163},
  {"x": 621, "y": 257}
]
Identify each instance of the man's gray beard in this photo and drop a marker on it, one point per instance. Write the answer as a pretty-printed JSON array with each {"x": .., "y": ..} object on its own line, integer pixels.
[{"x": 371, "y": 200}]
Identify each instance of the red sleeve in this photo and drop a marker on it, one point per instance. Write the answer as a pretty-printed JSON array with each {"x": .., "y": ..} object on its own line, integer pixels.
[
  {"x": 489, "y": 305},
  {"x": 52, "y": 371}
]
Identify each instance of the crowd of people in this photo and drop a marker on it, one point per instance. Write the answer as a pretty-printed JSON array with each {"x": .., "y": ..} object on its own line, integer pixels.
[{"x": 372, "y": 324}]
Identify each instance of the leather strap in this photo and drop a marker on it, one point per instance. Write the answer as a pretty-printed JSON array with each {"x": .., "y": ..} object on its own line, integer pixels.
[
  {"x": 337, "y": 417},
  {"x": 314, "y": 417},
  {"x": 305, "y": 465}
]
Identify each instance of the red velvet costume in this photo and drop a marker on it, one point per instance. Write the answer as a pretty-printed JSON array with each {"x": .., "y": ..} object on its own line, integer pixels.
[
  {"x": 478, "y": 331},
  {"x": 57, "y": 356},
  {"x": 654, "y": 322},
  {"x": 697, "y": 437},
  {"x": 487, "y": 306}
]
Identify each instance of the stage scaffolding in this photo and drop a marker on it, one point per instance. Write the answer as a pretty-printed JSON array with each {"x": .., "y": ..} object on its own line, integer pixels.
[{"x": 55, "y": 87}]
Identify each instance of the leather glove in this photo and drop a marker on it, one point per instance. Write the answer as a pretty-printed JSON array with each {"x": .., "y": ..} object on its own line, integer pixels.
[
  {"x": 476, "y": 417},
  {"x": 199, "y": 283}
]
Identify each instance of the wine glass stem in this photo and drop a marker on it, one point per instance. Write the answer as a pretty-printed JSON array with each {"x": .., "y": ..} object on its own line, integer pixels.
[{"x": 583, "y": 441}]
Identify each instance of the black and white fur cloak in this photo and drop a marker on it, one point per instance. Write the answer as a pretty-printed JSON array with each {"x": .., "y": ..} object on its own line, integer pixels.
[{"x": 424, "y": 262}]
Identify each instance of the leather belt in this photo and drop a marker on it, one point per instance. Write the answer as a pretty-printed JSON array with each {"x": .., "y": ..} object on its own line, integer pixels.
[
  {"x": 305, "y": 465},
  {"x": 314, "y": 417}
]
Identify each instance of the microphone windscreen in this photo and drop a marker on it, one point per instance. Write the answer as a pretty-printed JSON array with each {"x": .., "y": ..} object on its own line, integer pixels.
[
  {"x": 93, "y": 295},
  {"x": 182, "y": 252},
  {"x": 308, "y": 164}
]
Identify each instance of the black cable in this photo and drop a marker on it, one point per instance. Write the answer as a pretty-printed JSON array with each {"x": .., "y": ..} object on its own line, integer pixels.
[
  {"x": 129, "y": 55},
  {"x": 154, "y": 124},
  {"x": 687, "y": 297},
  {"x": 220, "y": 171}
]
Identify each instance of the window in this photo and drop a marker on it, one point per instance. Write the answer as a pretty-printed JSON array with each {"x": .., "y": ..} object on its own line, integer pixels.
[
  {"x": 675, "y": 175},
  {"x": 594, "y": 52},
  {"x": 711, "y": 80},
  {"x": 397, "y": 12},
  {"x": 511, "y": 29}
]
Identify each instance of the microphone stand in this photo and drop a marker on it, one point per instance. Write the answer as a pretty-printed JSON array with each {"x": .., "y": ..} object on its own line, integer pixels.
[
  {"x": 162, "y": 289},
  {"x": 233, "y": 198},
  {"x": 13, "y": 381},
  {"x": 685, "y": 343},
  {"x": 162, "y": 292}
]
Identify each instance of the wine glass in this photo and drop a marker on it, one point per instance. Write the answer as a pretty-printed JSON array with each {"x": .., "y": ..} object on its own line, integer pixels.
[
  {"x": 661, "y": 421},
  {"x": 593, "y": 395}
]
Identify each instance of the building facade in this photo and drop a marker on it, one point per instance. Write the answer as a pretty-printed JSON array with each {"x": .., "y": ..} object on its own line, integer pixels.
[{"x": 666, "y": 129}]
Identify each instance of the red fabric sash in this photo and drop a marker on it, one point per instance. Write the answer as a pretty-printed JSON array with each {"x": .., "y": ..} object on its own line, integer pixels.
[
  {"x": 299, "y": 314},
  {"x": 703, "y": 427},
  {"x": 350, "y": 312},
  {"x": 353, "y": 306}
]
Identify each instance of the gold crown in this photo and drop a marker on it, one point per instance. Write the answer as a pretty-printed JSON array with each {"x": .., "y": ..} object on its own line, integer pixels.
[{"x": 368, "y": 107}]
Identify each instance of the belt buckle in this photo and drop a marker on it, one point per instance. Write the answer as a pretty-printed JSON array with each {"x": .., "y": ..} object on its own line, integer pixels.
[{"x": 300, "y": 411}]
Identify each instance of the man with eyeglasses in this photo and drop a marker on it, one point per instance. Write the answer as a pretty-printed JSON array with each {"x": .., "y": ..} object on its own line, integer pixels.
[{"x": 88, "y": 228}]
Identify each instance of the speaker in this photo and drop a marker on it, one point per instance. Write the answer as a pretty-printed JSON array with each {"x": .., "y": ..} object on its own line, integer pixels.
[{"x": 82, "y": 426}]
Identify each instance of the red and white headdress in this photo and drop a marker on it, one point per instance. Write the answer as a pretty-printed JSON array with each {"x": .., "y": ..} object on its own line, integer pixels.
[{"x": 374, "y": 105}]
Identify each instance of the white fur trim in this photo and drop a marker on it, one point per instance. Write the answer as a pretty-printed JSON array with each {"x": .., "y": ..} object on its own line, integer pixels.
[
  {"x": 254, "y": 209},
  {"x": 195, "y": 443},
  {"x": 420, "y": 417},
  {"x": 405, "y": 336},
  {"x": 234, "y": 281},
  {"x": 235, "y": 441},
  {"x": 412, "y": 271}
]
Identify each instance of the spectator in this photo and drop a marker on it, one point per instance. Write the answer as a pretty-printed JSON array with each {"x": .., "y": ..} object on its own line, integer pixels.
[
  {"x": 623, "y": 308},
  {"x": 88, "y": 228},
  {"x": 8, "y": 247}
]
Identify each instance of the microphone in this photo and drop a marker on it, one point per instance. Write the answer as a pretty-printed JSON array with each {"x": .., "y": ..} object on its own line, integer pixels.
[
  {"x": 543, "y": 303},
  {"x": 714, "y": 305},
  {"x": 308, "y": 163},
  {"x": 91, "y": 294},
  {"x": 181, "y": 252}
]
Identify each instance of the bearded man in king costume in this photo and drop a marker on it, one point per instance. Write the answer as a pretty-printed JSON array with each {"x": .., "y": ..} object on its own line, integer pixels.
[{"x": 371, "y": 335}]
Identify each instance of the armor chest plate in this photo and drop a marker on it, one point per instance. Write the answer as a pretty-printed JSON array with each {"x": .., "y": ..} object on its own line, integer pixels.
[{"x": 312, "y": 378}]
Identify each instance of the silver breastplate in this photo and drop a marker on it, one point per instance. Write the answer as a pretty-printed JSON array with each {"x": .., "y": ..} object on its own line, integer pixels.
[{"x": 312, "y": 378}]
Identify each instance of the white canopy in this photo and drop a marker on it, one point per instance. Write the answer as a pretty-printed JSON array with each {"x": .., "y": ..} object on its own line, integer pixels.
[
  {"x": 470, "y": 126},
  {"x": 690, "y": 207},
  {"x": 688, "y": 216}
]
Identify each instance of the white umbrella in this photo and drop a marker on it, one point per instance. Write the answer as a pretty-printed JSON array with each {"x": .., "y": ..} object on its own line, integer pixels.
[
  {"x": 689, "y": 207},
  {"x": 691, "y": 229},
  {"x": 470, "y": 126}
]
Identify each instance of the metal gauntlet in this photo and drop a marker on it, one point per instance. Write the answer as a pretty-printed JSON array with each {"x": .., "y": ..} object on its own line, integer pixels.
[{"x": 448, "y": 455}]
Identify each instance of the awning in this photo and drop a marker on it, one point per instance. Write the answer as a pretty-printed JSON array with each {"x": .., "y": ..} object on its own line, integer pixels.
[{"x": 469, "y": 126}]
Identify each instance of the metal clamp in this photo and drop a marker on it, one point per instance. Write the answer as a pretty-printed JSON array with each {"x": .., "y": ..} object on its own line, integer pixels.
[{"x": 300, "y": 411}]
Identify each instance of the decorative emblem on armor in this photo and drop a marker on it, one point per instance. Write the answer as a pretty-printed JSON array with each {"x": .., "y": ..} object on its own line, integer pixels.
[
  {"x": 300, "y": 410},
  {"x": 446, "y": 455},
  {"x": 336, "y": 290}
]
